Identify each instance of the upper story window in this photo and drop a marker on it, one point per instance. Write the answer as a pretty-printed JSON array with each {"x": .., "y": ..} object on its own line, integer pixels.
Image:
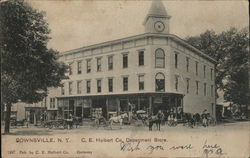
[
  {"x": 79, "y": 67},
  {"x": 99, "y": 85},
  {"x": 70, "y": 68},
  {"x": 204, "y": 71},
  {"x": 205, "y": 89},
  {"x": 88, "y": 86},
  {"x": 62, "y": 90},
  {"x": 176, "y": 82},
  {"x": 110, "y": 62},
  {"x": 141, "y": 58},
  {"x": 79, "y": 87},
  {"x": 141, "y": 82},
  {"x": 212, "y": 90},
  {"x": 88, "y": 62},
  {"x": 187, "y": 80},
  {"x": 176, "y": 60},
  {"x": 52, "y": 102},
  {"x": 160, "y": 82},
  {"x": 197, "y": 87},
  {"x": 196, "y": 67},
  {"x": 125, "y": 83},
  {"x": 159, "y": 58},
  {"x": 211, "y": 73},
  {"x": 187, "y": 64},
  {"x": 70, "y": 87},
  {"x": 125, "y": 60},
  {"x": 98, "y": 64},
  {"x": 110, "y": 84}
]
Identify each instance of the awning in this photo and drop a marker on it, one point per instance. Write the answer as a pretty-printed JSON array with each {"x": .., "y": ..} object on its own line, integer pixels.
[{"x": 123, "y": 94}]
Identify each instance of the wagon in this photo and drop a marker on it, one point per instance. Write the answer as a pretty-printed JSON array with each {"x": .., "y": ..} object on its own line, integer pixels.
[
  {"x": 142, "y": 116},
  {"x": 56, "y": 123},
  {"x": 100, "y": 122}
]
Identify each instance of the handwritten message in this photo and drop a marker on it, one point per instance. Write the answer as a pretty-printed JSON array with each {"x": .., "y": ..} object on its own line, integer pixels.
[{"x": 93, "y": 146}]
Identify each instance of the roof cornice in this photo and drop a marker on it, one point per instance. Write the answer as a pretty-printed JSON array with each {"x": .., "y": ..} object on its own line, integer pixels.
[{"x": 137, "y": 37}]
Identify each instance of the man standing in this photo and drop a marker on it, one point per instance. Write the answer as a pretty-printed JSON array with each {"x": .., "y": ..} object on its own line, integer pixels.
[{"x": 204, "y": 118}]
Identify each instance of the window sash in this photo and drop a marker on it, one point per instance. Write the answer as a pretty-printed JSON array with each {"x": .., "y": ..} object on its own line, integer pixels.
[
  {"x": 141, "y": 58},
  {"x": 125, "y": 61},
  {"x": 187, "y": 64},
  {"x": 79, "y": 87},
  {"x": 197, "y": 87},
  {"x": 212, "y": 90},
  {"x": 205, "y": 89},
  {"x": 160, "y": 85},
  {"x": 99, "y": 64},
  {"x": 88, "y": 84},
  {"x": 110, "y": 62},
  {"x": 88, "y": 66},
  {"x": 70, "y": 69},
  {"x": 160, "y": 63},
  {"x": 110, "y": 84},
  {"x": 125, "y": 84},
  {"x": 79, "y": 67},
  {"x": 204, "y": 71},
  {"x": 176, "y": 60},
  {"x": 141, "y": 82},
  {"x": 196, "y": 68},
  {"x": 176, "y": 83},
  {"x": 99, "y": 86},
  {"x": 70, "y": 87},
  {"x": 211, "y": 74}
]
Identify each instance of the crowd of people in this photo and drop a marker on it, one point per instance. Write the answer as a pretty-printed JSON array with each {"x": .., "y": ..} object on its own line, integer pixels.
[{"x": 169, "y": 117}]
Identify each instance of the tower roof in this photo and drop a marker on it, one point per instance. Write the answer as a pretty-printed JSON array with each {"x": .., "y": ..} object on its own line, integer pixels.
[{"x": 157, "y": 9}]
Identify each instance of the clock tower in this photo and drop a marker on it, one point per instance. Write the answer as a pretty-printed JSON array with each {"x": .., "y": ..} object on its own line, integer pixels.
[{"x": 157, "y": 19}]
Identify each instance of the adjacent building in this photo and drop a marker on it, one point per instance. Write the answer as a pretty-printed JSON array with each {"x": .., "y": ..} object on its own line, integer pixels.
[{"x": 151, "y": 71}]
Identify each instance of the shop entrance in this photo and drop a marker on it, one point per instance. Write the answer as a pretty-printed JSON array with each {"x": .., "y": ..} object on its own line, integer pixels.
[
  {"x": 124, "y": 105},
  {"x": 72, "y": 106},
  {"x": 100, "y": 103},
  {"x": 168, "y": 104},
  {"x": 78, "y": 111}
]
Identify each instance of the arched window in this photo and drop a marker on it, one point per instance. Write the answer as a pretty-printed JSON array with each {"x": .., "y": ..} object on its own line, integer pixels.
[
  {"x": 159, "y": 58},
  {"x": 159, "y": 82}
]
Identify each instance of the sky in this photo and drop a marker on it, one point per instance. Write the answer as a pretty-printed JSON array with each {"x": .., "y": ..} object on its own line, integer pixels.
[{"x": 78, "y": 23}]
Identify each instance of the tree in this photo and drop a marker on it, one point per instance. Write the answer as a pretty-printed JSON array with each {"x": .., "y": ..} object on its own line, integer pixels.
[
  {"x": 231, "y": 50},
  {"x": 28, "y": 67},
  {"x": 236, "y": 85}
]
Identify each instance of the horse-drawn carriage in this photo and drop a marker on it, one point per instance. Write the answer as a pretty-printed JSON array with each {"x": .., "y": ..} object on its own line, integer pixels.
[
  {"x": 62, "y": 123},
  {"x": 140, "y": 117},
  {"x": 192, "y": 120},
  {"x": 59, "y": 123},
  {"x": 100, "y": 121}
]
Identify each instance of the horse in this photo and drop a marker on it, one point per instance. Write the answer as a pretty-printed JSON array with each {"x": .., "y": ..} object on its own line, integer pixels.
[
  {"x": 117, "y": 119},
  {"x": 157, "y": 120}
]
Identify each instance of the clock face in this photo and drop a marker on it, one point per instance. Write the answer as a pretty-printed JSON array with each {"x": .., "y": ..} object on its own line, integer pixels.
[{"x": 159, "y": 26}]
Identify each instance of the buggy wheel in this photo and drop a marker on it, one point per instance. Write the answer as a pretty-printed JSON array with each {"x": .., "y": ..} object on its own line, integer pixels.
[{"x": 50, "y": 126}]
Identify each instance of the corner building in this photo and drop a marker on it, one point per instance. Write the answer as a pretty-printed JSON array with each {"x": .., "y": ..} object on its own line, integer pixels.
[{"x": 151, "y": 71}]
